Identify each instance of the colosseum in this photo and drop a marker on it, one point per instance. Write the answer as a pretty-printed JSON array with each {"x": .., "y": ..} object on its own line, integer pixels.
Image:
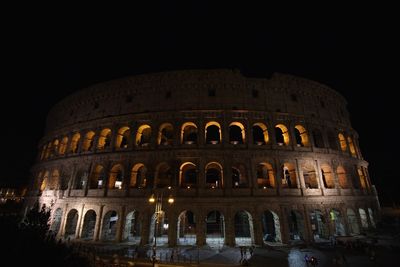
[{"x": 203, "y": 157}]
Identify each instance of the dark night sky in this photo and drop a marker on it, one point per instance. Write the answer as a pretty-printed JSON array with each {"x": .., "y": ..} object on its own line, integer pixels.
[{"x": 46, "y": 57}]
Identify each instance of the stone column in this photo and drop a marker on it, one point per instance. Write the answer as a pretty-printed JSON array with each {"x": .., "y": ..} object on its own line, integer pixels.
[
  {"x": 257, "y": 227},
  {"x": 145, "y": 223},
  {"x": 283, "y": 220},
  {"x": 121, "y": 224},
  {"x": 229, "y": 228},
  {"x": 278, "y": 175},
  {"x": 299, "y": 175},
  {"x": 172, "y": 228},
  {"x": 99, "y": 223},
  {"x": 200, "y": 227},
  {"x": 79, "y": 224},
  {"x": 308, "y": 236},
  {"x": 61, "y": 232},
  {"x": 319, "y": 176}
]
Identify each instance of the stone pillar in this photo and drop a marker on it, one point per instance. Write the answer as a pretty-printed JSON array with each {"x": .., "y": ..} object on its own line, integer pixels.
[
  {"x": 257, "y": 227},
  {"x": 61, "y": 232},
  {"x": 172, "y": 228},
  {"x": 201, "y": 227},
  {"x": 229, "y": 228},
  {"x": 99, "y": 223},
  {"x": 121, "y": 224},
  {"x": 299, "y": 175},
  {"x": 308, "y": 236},
  {"x": 278, "y": 176},
  {"x": 201, "y": 179},
  {"x": 145, "y": 223},
  {"x": 319, "y": 176},
  {"x": 79, "y": 224},
  {"x": 283, "y": 220}
]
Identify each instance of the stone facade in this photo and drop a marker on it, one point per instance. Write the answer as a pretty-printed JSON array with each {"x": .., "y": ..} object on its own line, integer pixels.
[{"x": 247, "y": 161}]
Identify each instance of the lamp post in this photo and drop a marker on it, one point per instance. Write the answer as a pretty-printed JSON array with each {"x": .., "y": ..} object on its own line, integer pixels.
[{"x": 157, "y": 213}]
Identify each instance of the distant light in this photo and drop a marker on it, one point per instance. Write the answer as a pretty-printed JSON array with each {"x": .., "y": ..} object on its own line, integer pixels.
[
  {"x": 171, "y": 200},
  {"x": 152, "y": 199},
  {"x": 169, "y": 187}
]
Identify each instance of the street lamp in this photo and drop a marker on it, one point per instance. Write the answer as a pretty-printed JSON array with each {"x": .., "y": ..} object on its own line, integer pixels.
[{"x": 157, "y": 214}]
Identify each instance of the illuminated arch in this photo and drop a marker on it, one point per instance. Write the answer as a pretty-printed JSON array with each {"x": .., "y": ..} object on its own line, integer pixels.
[
  {"x": 48, "y": 151},
  {"x": 214, "y": 175},
  {"x": 123, "y": 136},
  {"x": 89, "y": 223},
  {"x": 271, "y": 227},
  {"x": 342, "y": 177},
  {"x": 71, "y": 223},
  {"x": 244, "y": 229},
  {"x": 363, "y": 178},
  {"x": 45, "y": 181},
  {"x": 104, "y": 139},
  {"x": 56, "y": 144},
  {"x": 132, "y": 227},
  {"x": 165, "y": 134},
  {"x": 301, "y": 135},
  {"x": 189, "y": 133},
  {"x": 289, "y": 177},
  {"x": 188, "y": 175},
  {"x": 55, "y": 180},
  {"x": 143, "y": 135},
  {"x": 116, "y": 177},
  {"x": 354, "y": 228},
  {"x": 237, "y": 134},
  {"x": 281, "y": 134},
  {"x": 327, "y": 176},
  {"x": 265, "y": 175},
  {"x": 138, "y": 176},
  {"x": 88, "y": 141},
  {"x": 342, "y": 142},
  {"x": 74, "y": 143},
  {"x": 186, "y": 228},
  {"x": 97, "y": 178},
  {"x": 260, "y": 134},
  {"x": 309, "y": 175},
  {"x": 109, "y": 226},
  {"x": 213, "y": 133},
  {"x": 63, "y": 146},
  {"x": 351, "y": 146}
]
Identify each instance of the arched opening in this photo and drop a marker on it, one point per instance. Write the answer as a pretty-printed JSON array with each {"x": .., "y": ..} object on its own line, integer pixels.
[
  {"x": 327, "y": 176},
  {"x": 301, "y": 136},
  {"x": 48, "y": 153},
  {"x": 371, "y": 217},
  {"x": 56, "y": 144},
  {"x": 337, "y": 221},
  {"x": 63, "y": 146},
  {"x": 342, "y": 142},
  {"x": 215, "y": 229},
  {"x": 332, "y": 140},
  {"x": 186, "y": 228},
  {"x": 132, "y": 227},
  {"x": 143, "y": 135},
  {"x": 352, "y": 221},
  {"x": 342, "y": 177},
  {"x": 281, "y": 135},
  {"x": 98, "y": 178},
  {"x": 123, "y": 137},
  {"x": 161, "y": 227},
  {"x": 310, "y": 176},
  {"x": 165, "y": 134},
  {"x": 237, "y": 133},
  {"x": 244, "y": 231},
  {"x": 260, "y": 134},
  {"x": 289, "y": 178},
  {"x": 363, "y": 218},
  {"x": 45, "y": 181},
  {"x": 109, "y": 226},
  {"x": 239, "y": 177},
  {"x": 189, "y": 133},
  {"x": 214, "y": 175},
  {"x": 89, "y": 222},
  {"x": 71, "y": 223},
  {"x": 74, "y": 143},
  {"x": 271, "y": 227},
  {"x": 296, "y": 225},
  {"x": 164, "y": 175},
  {"x": 55, "y": 180},
  {"x": 81, "y": 178},
  {"x": 363, "y": 179},
  {"x": 351, "y": 146},
  {"x": 43, "y": 153},
  {"x": 116, "y": 177},
  {"x": 318, "y": 225},
  {"x": 88, "y": 141},
  {"x": 213, "y": 133},
  {"x": 104, "y": 139},
  {"x": 265, "y": 176},
  {"x": 138, "y": 176},
  {"x": 188, "y": 175},
  {"x": 318, "y": 138},
  {"x": 55, "y": 226}
]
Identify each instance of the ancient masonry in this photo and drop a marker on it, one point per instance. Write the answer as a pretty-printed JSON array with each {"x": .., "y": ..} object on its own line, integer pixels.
[{"x": 246, "y": 160}]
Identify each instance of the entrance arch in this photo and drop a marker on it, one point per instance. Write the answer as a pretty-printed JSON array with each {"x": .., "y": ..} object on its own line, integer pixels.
[
  {"x": 132, "y": 227},
  {"x": 354, "y": 229},
  {"x": 296, "y": 225},
  {"x": 271, "y": 227},
  {"x": 186, "y": 228},
  {"x": 55, "y": 226},
  {"x": 89, "y": 223},
  {"x": 244, "y": 230},
  {"x": 337, "y": 221},
  {"x": 109, "y": 229},
  {"x": 318, "y": 225},
  {"x": 70, "y": 226},
  {"x": 215, "y": 229},
  {"x": 161, "y": 228}
]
